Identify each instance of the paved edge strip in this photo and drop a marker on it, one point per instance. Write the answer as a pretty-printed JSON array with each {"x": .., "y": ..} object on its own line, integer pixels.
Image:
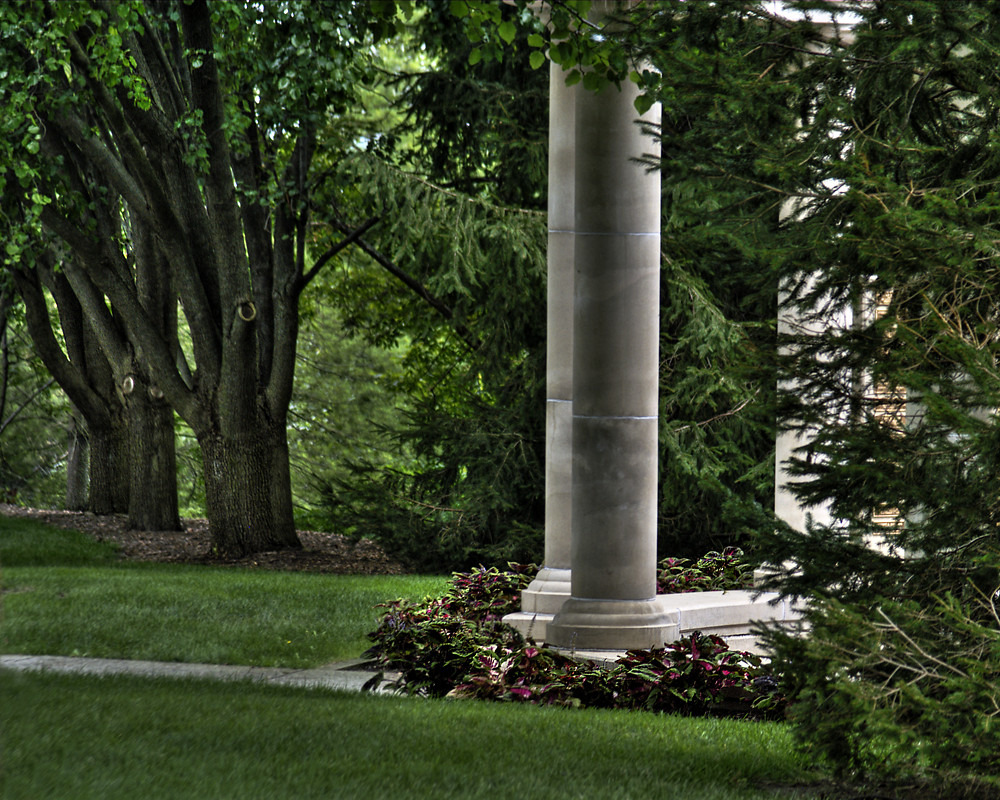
[{"x": 333, "y": 676}]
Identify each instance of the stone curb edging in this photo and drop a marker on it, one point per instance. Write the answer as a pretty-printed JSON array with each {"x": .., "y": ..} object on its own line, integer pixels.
[{"x": 342, "y": 676}]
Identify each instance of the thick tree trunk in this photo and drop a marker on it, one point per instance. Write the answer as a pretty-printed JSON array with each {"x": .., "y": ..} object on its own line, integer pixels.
[
  {"x": 282, "y": 511},
  {"x": 153, "y": 503},
  {"x": 109, "y": 467},
  {"x": 240, "y": 478},
  {"x": 77, "y": 467},
  {"x": 153, "y": 475}
]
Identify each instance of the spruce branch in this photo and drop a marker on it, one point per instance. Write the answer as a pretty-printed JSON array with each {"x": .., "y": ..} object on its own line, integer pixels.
[
  {"x": 442, "y": 308},
  {"x": 723, "y": 415},
  {"x": 894, "y": 628}
]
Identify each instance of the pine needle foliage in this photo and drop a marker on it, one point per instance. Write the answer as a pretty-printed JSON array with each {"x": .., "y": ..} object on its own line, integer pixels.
[
  {"x": 463, "y": 293},
  {"x": 718, "y": 286},
  {"x": 717, "y": 300},
  {"x": 477, "y": 126},
  {"x": 890, "y": 263},
  {"x": 453, "y": 278}
]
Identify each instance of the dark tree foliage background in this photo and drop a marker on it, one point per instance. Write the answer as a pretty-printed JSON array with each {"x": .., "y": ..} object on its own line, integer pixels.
[
  {"x": 32, "y": 448},
  {"x": 478, "y": 133},
  {"x": 718, "y": 285},
  {"x": 454, "y": 277},
  {"x": 478, "y": 128},
  {"x": 469, "y": 315}
]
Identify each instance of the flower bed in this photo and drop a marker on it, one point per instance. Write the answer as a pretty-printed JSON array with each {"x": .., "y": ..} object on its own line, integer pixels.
[{"x": 456, "y": 645}]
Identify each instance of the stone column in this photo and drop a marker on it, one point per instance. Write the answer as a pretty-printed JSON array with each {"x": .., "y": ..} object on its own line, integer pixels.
[
  {"x": 615, "y": 383},
  {"x": 790, "y": 320},
  {"x": 551, "y": 587},
  {"x": 786, "y": 505}
]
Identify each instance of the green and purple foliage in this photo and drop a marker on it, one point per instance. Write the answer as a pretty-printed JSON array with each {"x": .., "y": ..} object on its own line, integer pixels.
[
  {"x": 697, "y": 675},
  {"x": 488, "y": 594},
  {"x": 714, "y": 571},
  {"x": 457, "y": 646},
  {"x": 436, "y": 642}
]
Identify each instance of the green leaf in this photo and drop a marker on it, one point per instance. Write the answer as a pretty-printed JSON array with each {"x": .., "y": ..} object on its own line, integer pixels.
[
  {"x": 507, "y": 31},
  {"x": 574, "y": 77},
  {"x": 562, "y": 53},
  {"x": 536, "y": 40},
  {"x": 594, "y": 81},
  {"x": 459, "y": 8},
  {"x": 643, "y": 103},
  {"x": 475, "y": 56},
  {"x": 536, "y": 59}
]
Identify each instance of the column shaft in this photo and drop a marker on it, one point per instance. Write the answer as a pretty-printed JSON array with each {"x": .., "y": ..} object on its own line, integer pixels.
[
  {"x": 615, "y": 383},
  {"x": 551, "y": 587}
]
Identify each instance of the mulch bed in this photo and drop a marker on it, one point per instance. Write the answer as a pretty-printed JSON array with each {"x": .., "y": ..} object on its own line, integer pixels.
[{"x": 321, "y": 552}]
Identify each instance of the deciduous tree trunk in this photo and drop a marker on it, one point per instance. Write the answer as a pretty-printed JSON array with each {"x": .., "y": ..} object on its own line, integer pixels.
[
  {"x": 282, "y": 511},
  {"x": 242, "y": 481},
  {"x": 77, "y": 467},
  {"x": 153, "y": 475},
  {"x": 109, "y": 466}
]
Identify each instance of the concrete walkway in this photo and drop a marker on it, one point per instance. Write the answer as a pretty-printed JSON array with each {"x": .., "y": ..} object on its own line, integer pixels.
[{"x": 346, "y": 676}]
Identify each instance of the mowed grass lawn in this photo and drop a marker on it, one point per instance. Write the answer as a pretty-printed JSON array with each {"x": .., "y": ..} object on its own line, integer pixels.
[
  {"x": 67, "y": 736},
  {"x": 70, "y": 736},
  {"x": 65, "y": 594}
]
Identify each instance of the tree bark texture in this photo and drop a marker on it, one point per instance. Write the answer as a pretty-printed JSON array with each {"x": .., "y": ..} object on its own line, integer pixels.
[
  {"x": 240, "y": 480},
  {"x": 109, "y": 466},
  {"x": 77, "y": 467},
  {"x": 153, "y": 475}
]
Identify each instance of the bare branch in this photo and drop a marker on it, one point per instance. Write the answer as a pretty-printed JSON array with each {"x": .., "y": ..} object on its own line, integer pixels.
[
  {"x": 14, "y": 414},
  {"x": 416, "y": 286},
  {"x": 350, "y": 239}
]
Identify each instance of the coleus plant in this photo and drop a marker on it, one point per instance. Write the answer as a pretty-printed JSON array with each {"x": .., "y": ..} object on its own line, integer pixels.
[
  {"x": 714, "y": 571},
  {"x": 456, "y": 645}
]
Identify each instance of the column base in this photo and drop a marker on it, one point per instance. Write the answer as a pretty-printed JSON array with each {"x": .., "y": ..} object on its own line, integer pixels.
[
  {"x": 547, "y": 592},
  {"x": 732, "y": 615},
  {"x": 540, "y": 602},
  {"x": 531, "y": 626},
  {"x": 584, "y": 624}
]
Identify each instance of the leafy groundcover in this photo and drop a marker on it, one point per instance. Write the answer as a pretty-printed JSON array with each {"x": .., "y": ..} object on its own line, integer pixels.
[{"x": 456, "y": 645}]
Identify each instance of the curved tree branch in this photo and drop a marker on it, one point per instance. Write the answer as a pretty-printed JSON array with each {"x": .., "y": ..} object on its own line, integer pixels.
[{"x": 416, "y": 287}]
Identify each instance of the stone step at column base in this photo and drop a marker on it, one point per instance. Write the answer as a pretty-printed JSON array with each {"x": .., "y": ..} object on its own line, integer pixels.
[
  {"x": 547, "y": 592},
  {"x": 730, "y": 615}
]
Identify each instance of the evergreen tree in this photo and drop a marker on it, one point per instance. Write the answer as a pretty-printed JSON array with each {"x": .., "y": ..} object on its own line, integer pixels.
[
  {"x": 891, "y": 265},
  {"x": 456, "y": 283},
  {"x": 465, "y": 301}
]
